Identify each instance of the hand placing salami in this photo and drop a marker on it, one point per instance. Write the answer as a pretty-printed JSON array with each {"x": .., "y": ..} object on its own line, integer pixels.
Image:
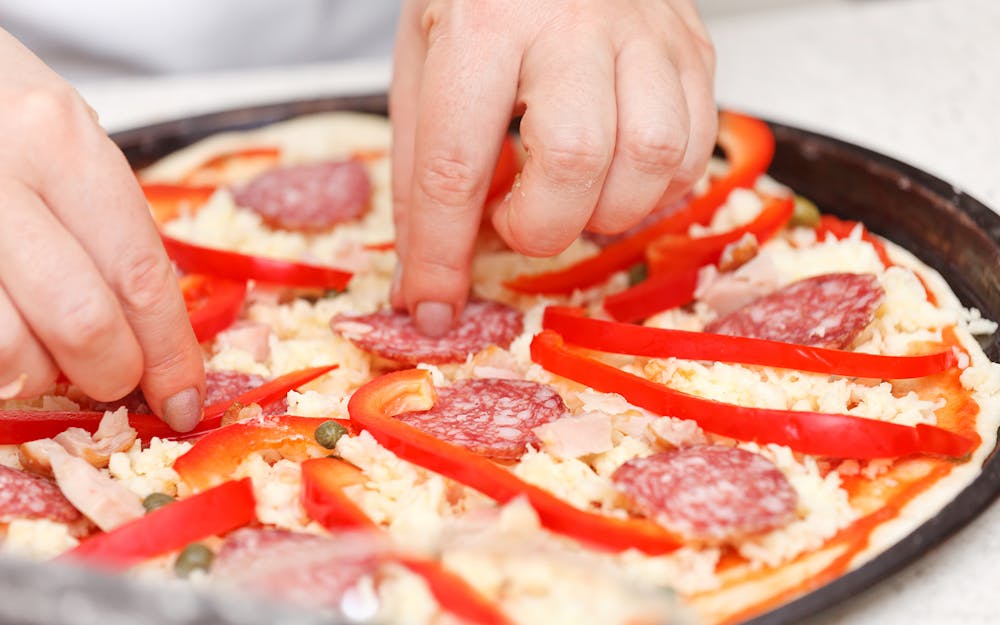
[{"x": 618, "y": 119}]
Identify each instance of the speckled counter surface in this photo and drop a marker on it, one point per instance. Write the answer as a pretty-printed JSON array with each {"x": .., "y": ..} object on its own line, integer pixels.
[{"x": 918, "y": 80}]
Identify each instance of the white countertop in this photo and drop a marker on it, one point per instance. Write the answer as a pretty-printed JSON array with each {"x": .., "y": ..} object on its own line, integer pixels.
[{"x": 918, "y": 80}]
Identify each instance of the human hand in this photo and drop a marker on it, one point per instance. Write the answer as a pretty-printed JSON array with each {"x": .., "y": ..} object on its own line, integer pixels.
[
  {"x": 618, "y": 117},
  {"x": 85, "y": 285}
]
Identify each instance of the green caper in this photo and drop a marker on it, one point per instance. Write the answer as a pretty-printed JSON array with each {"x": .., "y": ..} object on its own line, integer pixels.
[
  {"x": 195, "y": 557},
  {"x": 637, "y": 273},
  {"x": 328, "y": 433},
  {"x": 806, "y": 213},
  {"x": 153, "y": 501}
]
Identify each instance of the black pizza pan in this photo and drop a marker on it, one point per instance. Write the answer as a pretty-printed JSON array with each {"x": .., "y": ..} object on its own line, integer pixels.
[{"x": 946, "y": 228}]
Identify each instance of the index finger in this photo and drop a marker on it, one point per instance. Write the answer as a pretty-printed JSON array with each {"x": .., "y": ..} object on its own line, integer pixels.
[
  {"x": 465, "y": 104},
  {"x": 111, "y": 220}
]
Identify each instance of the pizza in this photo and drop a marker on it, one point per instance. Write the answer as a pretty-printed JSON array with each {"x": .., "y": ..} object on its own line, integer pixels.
[{"x": 695, "y": 421}]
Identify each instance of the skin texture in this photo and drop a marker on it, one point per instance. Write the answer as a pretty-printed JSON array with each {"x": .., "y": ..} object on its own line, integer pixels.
[
  {"x": 85, "y": 285},
  {"x": 619, "y": 117}
]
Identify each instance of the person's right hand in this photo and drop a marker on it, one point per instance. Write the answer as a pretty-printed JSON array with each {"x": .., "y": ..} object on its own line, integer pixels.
[{"x": 85, "y": 285}]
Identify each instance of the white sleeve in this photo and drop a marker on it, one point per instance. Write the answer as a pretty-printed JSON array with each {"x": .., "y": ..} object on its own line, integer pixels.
[{"x": 108, "y": 38}]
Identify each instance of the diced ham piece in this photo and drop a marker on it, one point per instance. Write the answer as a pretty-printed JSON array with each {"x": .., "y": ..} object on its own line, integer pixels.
[
  {"x": 738, "y": 253},
  {"x": 251, "y": 337},
  {"x": 114, "y": 434},
  {"x": 34, "y": 455},
  {"x": 573, "y": 437},
  {"x": 101, "y": 499},
  {"x": 726, "y": 292}
]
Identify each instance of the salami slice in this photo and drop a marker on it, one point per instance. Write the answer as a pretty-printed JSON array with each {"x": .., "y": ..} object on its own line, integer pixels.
[
  {"x": 308, "y": 197},
  {"x": 27, "y": 496},
  {"x": 219, "y": 386},
  {"x": 391, "y": 334},
  {"x": 823, "y": 311},
  {"x": 490, "y": 416},
  {"x": 709, "y": 493},
  {"x": 302, "y": 568}
]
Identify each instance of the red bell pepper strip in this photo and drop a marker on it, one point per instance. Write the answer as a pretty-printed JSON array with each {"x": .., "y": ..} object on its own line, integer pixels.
[
  {"x": 820, "y": 434},
  {"x": 237, "y": 266},
  {"x": 385, "y": 246},
  {"x": 652, "y": 295},
  {"x": 674, "y": 253},
  {"x": 626, "y": 338},
  {"x": 217, "y": 454},
  {"x": 372, "y": 408},
  {"x": 167, "y": 200},
  {"x": 263, "y": 395},
  {"x": 506, "y": 171},
  {"x": 323, "y": 498},
  {"x": 454, "y": 594},
  {"x": 174, "y": 526},
  {"x": 674, "y": 261},
  {"x": 265, "y": 156},
  {"x": 749, "y": 147},
  {"x": 21, "y": 426},
  {"x": 213, "y": 304}
]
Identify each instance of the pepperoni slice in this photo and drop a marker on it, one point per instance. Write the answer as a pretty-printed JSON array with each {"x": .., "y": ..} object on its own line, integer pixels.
[
  {"x": 27, "y": 496},
  {"x": 823, "y": 311},
  {"x": 308, "y": 197},
  {"x": 490, "y": 416},
  {"x": 303, "y": 568},
  {"x": 391, "y": 334},
  {"x": 709, "y": 493},
  {"x": 219, "y": 386}
]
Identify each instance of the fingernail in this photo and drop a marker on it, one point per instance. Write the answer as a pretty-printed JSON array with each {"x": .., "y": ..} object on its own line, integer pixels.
[
  {"x": 433, "y": 318},
  {"x": 182, "y": 411}
]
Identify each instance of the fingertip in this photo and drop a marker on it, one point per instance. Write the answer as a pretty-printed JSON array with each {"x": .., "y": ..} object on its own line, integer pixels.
[
  {"x": 182, "y": 411},
  {"x": 534, "y": 237},
  {"x": 433, "y": 319}
]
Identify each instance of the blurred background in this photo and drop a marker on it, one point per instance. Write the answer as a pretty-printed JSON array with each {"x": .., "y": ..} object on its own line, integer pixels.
[{"x": 101, "y": 39}]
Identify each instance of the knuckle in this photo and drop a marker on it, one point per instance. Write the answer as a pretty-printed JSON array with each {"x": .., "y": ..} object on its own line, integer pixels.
[
  {"x": 168, "y": 361},
  {"x": 145, "y": 279},
  {"x": 50, "y": 110},
  {"x": 573, "y": 159},
  {"x": 656, "y": 150},
  {"x": 448, "y": 180},
  {"x": 87, "y": 326}
]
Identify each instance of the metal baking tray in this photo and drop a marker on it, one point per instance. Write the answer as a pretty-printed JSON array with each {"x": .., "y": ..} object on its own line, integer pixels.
[{"x": 947, "y": 229}]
